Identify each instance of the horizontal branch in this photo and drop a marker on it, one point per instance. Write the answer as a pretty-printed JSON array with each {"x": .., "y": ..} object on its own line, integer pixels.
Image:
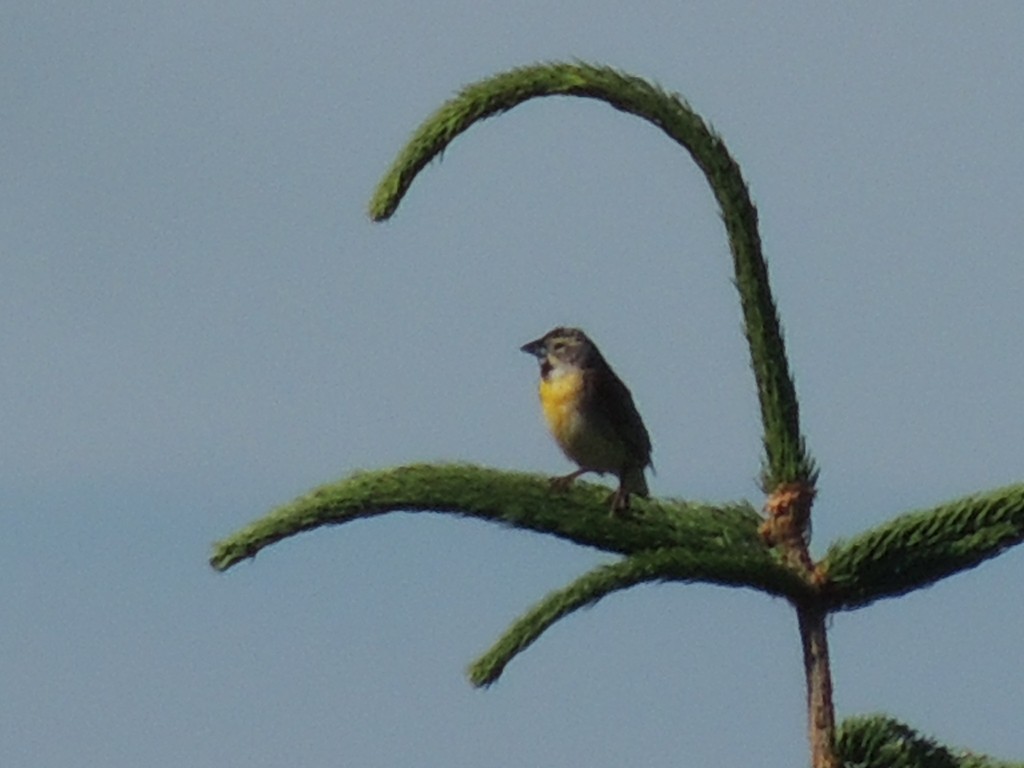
[
  {"x": 919, "y": 548},
  {"x": 684, "y": 563},
  {"x": 877, "y": 741},
  {"x": 514, "y": 499},
  {"x": 527, "y": 501}
]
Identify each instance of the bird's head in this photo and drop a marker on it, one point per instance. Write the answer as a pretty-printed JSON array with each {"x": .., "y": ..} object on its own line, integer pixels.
[{"x": 562, "y": 348}]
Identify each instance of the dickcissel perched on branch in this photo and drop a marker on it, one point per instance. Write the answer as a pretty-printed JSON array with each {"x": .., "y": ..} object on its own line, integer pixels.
[{"x": 590, "y": 413}]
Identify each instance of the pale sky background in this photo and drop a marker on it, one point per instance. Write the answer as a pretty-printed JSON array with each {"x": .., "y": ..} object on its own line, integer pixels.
[{"x": 200, "y": 322}]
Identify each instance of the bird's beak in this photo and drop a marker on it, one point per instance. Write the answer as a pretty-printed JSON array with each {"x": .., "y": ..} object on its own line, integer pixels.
[{"x": 535, "y": 348}]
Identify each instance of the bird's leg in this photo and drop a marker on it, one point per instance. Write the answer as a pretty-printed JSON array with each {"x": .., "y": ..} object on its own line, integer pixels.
[
  {"x": 563, "y": 483},
  {"x": 619, "y": 501}
]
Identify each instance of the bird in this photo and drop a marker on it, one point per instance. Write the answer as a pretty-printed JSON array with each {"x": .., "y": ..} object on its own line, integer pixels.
[{"x": 591, "y": 413}]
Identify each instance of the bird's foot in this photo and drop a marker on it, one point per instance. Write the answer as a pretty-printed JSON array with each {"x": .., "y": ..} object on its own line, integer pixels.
[
  {"x": 619, "y": 502},
  {"x": 562, "y": 484}
]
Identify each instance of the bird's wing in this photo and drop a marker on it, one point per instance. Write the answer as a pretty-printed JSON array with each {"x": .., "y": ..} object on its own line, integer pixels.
[{"x": 618, "y": 414}]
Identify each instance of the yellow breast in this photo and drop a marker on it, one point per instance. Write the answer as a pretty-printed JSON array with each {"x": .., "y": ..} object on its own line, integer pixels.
[{"x": 560, "y": 397}]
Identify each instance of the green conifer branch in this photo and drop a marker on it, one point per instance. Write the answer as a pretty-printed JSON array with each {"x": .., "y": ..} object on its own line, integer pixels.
[
  {"x": 877, "y": 741},
  {"x": 730, "y": 567},
  {"x": 663, "y": 540},
  {"x": 513, "y": 498},
  {"x": 722, "y": 540},
  {"x": 584, "y": 592},
  {"x": 919, "y": 548},
  {"x": 787, "y": 459}
]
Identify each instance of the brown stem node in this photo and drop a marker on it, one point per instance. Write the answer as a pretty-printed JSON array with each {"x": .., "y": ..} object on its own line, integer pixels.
[{"x": 787, "y": 523}]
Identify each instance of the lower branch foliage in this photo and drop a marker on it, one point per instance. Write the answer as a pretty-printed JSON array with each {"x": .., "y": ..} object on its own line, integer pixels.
[{"x": 877, "y": 741}]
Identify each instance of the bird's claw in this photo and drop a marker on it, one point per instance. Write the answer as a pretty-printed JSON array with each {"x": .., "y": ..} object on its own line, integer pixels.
[{"x": 619, "y": 502}]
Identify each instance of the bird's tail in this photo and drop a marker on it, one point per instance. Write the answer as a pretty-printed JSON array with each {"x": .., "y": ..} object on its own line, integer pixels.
[{"x": 633, "y": 481}]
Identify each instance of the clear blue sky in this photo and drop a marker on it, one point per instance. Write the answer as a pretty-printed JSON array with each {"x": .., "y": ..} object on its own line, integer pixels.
[{"x": 200, "y": 322}]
